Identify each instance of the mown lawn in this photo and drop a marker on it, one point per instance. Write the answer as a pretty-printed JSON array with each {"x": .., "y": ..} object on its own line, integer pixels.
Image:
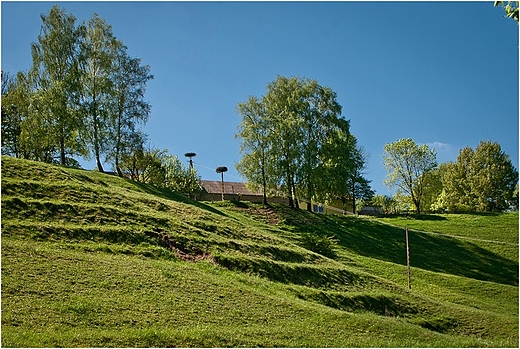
[{"x": 94, "y": 260}]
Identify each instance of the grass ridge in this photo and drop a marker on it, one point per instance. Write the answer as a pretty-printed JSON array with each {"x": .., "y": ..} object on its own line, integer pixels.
[{"x": 77, "y": 245}]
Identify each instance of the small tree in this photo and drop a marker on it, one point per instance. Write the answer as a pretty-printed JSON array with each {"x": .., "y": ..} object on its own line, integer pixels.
[
  {"x": 178, "y": 178},
  {"x": 408, "y": 164}
]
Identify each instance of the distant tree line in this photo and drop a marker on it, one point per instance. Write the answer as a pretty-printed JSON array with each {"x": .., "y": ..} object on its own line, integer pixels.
[
  {"x": 295, "y": 138},
  {"x": 84, "y": 96},
  {"x": 481, "y": 179}
]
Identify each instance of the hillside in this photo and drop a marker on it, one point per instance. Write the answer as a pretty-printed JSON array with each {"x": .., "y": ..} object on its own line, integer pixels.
[{"x": 90, "y": 259}]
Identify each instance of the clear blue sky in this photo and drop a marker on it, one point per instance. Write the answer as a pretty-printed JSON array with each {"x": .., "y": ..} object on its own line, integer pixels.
[{"x": 442, "y": 73}]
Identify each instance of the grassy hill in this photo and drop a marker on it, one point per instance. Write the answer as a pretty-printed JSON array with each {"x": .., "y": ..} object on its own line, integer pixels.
[{"x": 90, "y": 259}]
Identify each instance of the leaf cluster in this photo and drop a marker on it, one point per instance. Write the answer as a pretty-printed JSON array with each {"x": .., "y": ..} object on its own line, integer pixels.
[
  {"x": 82, "y": 96},
  {"x": 483, "y": 179},
  {"x": 408, "y": 164},
  {"x": 295, "y": 138}
]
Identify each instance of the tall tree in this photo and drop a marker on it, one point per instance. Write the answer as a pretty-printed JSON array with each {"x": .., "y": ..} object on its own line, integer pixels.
[
  {"x": 12, "y": 115},
  {"x": 254, "y": 130},
  {"x": 357, "y": 182},
  {"x": 320, "y": 120},
  {"x": 128, "y": 108},
  {"x": 493, "y": 177},
  {"x": 342, "y": 166},
  {"x": 407, "y": 164},
  {"x": 483, "y": 179},
  {"x": 54, "y": 78},
  {"x": 282, "y": 106},
  {"x": 99, "y": 52},
  {"x": 295, "y": 137}
]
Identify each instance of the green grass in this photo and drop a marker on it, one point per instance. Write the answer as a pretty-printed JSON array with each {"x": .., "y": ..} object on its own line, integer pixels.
[{"x": 94, "y": 260}]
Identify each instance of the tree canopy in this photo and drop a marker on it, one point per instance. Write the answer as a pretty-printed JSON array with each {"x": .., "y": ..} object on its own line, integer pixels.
[
  {"x": 483, "y": 179},
  {"x": 83, "y": 95},
  {"x": 408, "y": 164},
  {"x": 295, "y": 137}
]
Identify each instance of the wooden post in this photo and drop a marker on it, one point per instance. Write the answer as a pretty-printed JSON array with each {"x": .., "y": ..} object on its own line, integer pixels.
[
  {"x": 408, "y": 260},
  {"x": 222, "y": 186},
  {"x": 221, "y": 170}
]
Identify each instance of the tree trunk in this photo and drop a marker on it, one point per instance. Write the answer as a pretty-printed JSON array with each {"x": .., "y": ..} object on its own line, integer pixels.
[
  {"x": 118, "y": 144},
  {"x": 309, "y": 195},
  {"x": 96, "y": 146},
  {"x": 417, "y": 206},
  {"x": 63, "y": 160},
  {"x": 264, "y": 184},
  {"x": 353, "y": 196},
  {"x": 293, "y": 186}
]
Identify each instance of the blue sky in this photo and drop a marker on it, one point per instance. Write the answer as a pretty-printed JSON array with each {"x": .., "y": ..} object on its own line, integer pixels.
[{"x": 442, "y": 73}]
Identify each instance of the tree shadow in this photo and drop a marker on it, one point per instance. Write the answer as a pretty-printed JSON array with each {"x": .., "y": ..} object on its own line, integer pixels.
[
  {"x": 430, "y": 252},
  {"x": 418, "y": 217},
  {"x": 170, "y": 195}
]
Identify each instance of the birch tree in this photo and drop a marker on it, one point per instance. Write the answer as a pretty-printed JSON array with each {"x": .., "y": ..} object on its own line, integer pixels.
[
  {"x": 128, "y": 108},
  {"x": 99, "y": 52},
  {"x": 407, "y": 164},
  {"x": 53, "y": 80}
]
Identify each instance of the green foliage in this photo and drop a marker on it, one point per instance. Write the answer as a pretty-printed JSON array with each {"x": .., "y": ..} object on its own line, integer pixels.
[
  {"x": 90, "y": 259},
  {"x": 408, "y": 164},
  {"x": 128, "y": 107},
  {"x": 323, "y": 245},
  {"x": 483, "y": 179},
  {"x": 387, "y": 203},
  {"x": 510, "y": 8},
  {"x": 54, "y": 83},
  {"x": 179, "y": 178},
  {"x": 295, "y": 137},
  {"x": 82, "y": 96}
]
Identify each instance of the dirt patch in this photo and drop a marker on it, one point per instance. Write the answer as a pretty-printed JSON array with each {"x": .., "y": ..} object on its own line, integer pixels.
[{"x": 185, "y": 253}]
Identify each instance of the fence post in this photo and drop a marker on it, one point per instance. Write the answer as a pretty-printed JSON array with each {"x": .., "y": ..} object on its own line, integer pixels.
[{"x": 408, "y": 260}]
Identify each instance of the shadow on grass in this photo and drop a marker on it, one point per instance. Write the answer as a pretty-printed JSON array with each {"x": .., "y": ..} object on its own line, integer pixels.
[
  {"x": 418, "y": 217},
  {"x": 170, "y": 195},
  {"x": 430, "y": 252}
]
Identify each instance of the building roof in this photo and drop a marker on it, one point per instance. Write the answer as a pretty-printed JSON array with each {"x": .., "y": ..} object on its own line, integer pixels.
[{"x": 215, "y": 187}]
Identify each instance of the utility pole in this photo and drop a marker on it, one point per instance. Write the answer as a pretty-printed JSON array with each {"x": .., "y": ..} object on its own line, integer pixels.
[
  {"x": 408, "y": 260},
  {"x": 190, "y": 155},
  {"x": 221, "y": 170}
]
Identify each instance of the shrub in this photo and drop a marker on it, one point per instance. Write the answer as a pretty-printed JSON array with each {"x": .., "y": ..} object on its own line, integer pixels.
[{"x": 324, "y": 245}]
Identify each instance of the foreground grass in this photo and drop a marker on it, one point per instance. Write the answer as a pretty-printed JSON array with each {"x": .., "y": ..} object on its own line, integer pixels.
[
  {"x": 68, "y": 296},
  {"x": 95, "y": 260}
]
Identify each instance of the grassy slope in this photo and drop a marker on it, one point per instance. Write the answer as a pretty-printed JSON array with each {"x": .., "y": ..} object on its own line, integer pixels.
[{"x": 94, "y": 260}]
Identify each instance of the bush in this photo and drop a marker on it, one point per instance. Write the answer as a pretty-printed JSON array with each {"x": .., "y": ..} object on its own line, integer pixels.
[{"x": 324, "y": 245}]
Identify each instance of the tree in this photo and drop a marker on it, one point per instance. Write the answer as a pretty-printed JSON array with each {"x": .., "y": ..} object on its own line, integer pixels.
[
  {"x": 12, "y": 116},
  {"x": 493, "y": 178},
  {"x": 408, "y": 164},
  {"x": 99, "y": 52},
  {"x": 357, "y": 182},
  {"x": 178, "y": 178},
  {"x": 483, "y": 179},
  {"x": 342, "y": 168},
  {"x": 53, "y": 80},
  {"x": 510, "y": 8},
  {"x": 387, "y": 203},
  {"x": 281, "y": 104},
  {"x": 321, "y": 120},
  {"x": 288, "y": 136},
  {"x": 432, "y": 188},
  {"x": 128, "y": 108},
  {"x": 457, "y": 194},
  {"x": 254, "y": 132}
]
